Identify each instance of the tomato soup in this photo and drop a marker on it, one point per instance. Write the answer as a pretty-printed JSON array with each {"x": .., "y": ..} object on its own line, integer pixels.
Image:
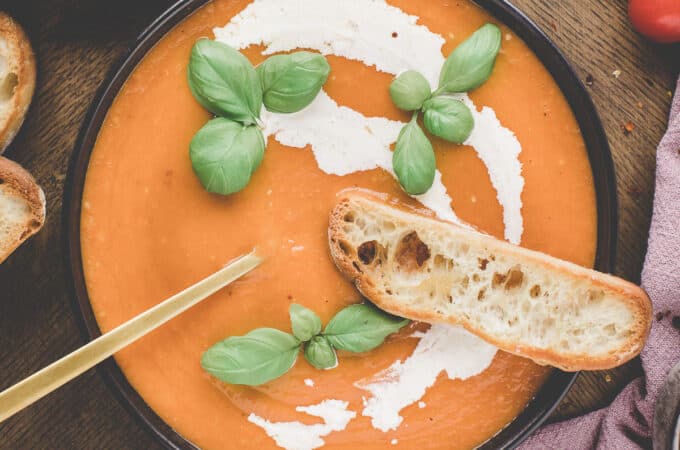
[{"x": 149, "y": 229}]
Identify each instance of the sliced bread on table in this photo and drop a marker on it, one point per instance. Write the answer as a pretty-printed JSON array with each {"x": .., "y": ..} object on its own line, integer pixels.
[
  {"x": 522, "y": 301},
  {"x": 17, "y": 78},
  {"x": 22, "y": 206}
]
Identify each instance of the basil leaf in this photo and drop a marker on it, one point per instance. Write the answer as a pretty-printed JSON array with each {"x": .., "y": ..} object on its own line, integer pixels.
[
  {"x": 471, "y": 63},
  {"x": 361, "y": 327},
  {"x": 224, "y": 81},
  {"x": 290, "y": 82},
  {"x": 409, "y": 90},
  {"x": 320, "y": 353},
  {"x": 413, "y": 159},
  {"x": 306, "y": 323},
  {"x": 448, "y": 118},
  {"x": 224, "y": 154},
  {"x": 255, "y": 358}
]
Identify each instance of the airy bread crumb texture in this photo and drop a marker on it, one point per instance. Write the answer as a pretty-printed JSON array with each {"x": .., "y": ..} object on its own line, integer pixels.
[
  {"x": 22, "y": 206},
  {"x": 17, "y": 78},
  {"x": 522, "y": 301}
]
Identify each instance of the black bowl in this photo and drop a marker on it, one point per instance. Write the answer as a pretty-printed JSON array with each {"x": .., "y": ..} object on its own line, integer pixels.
[{"x": 557, "y": 384}]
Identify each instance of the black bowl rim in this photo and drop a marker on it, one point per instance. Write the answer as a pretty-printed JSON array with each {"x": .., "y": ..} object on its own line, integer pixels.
[{"x": 559, "y": 382}]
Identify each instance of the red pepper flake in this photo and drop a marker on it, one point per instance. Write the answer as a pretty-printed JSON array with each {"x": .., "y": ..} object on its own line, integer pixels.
[
  {"x": 553, "y": 25},
  {"x": 628, "y": 128},
  {"x": 290, "y": 297},
  {"x": 589, "y": 80},
  {"x": 395, "y": 34}
]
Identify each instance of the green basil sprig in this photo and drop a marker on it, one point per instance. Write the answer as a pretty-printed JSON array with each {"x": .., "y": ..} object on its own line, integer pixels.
[
  {"x": 266, "y": 353},
  {"x": 471, "y": 63},
  {"x": 413, "y": 159},
  {"x": 224, "y": 82},
  {"x": 466, "y": 68},
  {"x": 224, "y": 154},
  {"x": 409, "y": 90},
  {"x": 448, "y": 118},
  {"x": 227, "y": 150},
  {"x": 291, "y": 82}
]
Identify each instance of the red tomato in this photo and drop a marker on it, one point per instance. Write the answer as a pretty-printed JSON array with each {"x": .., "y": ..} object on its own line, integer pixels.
[{"x": 659, "y": 20}]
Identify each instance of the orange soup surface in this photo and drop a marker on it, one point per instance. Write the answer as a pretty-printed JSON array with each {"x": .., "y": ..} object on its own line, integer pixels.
[{"x": 149, "y": 229}]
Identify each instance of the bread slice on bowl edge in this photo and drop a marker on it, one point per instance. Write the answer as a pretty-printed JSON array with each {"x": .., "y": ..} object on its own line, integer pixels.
[
  {"x": 524, "y": 302},
  {"x": 17, "y": 78},
  {"x": 22, "y": 206}
]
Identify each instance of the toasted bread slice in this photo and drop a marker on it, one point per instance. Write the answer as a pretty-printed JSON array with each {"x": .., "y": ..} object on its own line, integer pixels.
[
  {"x": 17, "y": 78},
  {"x": 522, "y": 301},
  {"x": 22, "y": 206}
]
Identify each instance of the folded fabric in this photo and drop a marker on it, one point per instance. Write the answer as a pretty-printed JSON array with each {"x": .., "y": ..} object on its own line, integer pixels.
[{"x": 627, "y": 422}]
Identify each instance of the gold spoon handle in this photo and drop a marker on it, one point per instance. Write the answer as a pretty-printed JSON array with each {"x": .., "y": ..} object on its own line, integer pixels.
[{"x": 70, "y": 366}]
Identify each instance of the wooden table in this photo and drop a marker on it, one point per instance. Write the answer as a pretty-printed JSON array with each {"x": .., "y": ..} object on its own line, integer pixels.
[{"x": 78, "y": 41}]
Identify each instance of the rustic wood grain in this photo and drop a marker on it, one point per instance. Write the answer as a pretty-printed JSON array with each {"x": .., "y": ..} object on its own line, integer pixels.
[
  {"x": 598, "y": 40},
  {"x": 78, "y": 41}
]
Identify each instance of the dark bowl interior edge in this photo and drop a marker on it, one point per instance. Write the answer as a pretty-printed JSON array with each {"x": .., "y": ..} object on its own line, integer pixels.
[{"x": 591, "y": 128}]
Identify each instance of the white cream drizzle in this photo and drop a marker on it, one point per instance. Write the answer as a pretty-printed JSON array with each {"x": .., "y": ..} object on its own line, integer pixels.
[
  {"x": 499, "y": 150},
  {"x": 442, "y": 348},
  {"x": 351, "y": 143},
  {"x": 346, "y": 141},
  {"x": 336, "y": 150},
  {"x": 300, "y": 436},
  {"x": 355, "y": 29},
  {"x": 349, "y": 28}
]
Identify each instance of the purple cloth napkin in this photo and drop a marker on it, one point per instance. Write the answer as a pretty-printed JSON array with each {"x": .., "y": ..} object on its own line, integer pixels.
[{"x": 627, "y": 422}]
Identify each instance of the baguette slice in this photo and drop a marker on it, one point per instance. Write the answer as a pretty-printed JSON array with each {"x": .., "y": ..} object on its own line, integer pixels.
[
  {"x": 522, "y": 301},
  {"x": 22, "y": 206},
  {"x": 17, "y": 78}
]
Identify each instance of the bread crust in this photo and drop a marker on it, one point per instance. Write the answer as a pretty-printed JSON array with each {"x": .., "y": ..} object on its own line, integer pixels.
[
  {"x": 17, "y": 182},
  {"x": 633, "y": 296},
  {"x": 21, "y": 62}
]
